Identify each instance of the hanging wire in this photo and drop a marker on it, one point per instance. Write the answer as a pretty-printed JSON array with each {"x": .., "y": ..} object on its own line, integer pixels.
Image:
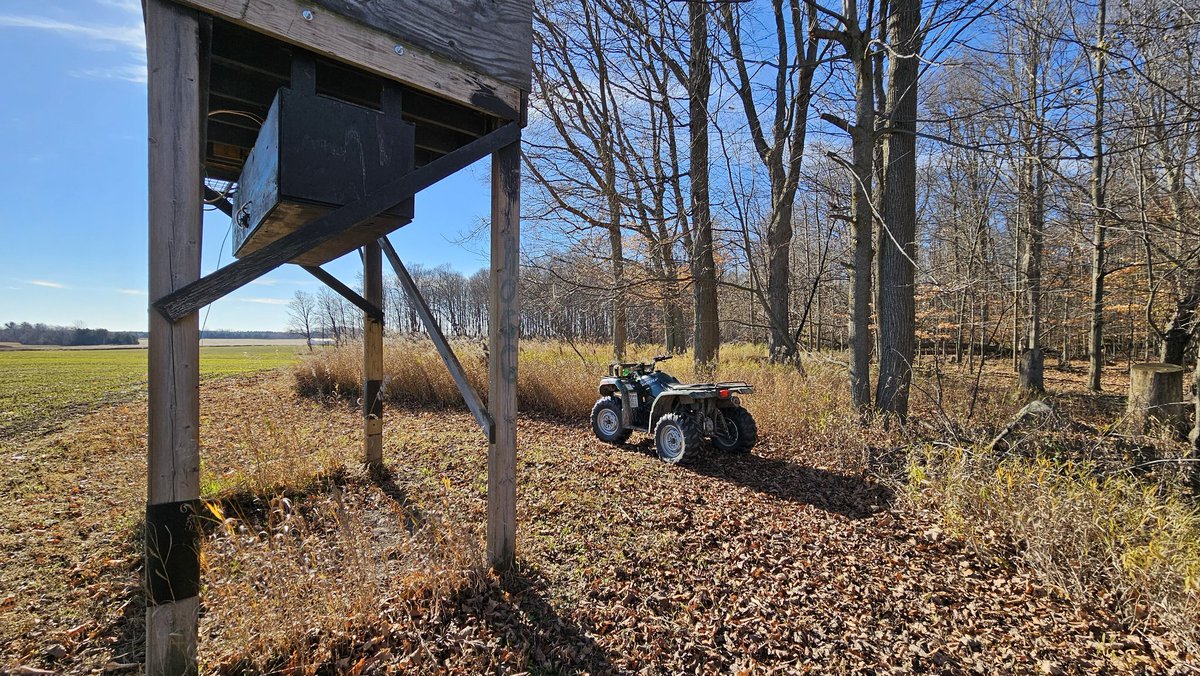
[{"x": 224, "y": 189}]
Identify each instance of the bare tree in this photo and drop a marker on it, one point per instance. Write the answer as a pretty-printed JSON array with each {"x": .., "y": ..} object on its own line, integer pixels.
[
  {"x": 782, "y": 152},
  {"x": 302, "y": 315},
  {"x": 896, "y": 309},
  {"x": 707, "y": 340},
  {"x": 855, "y": 36},
  {"x": 576, "y": 95},
  {"x": 1099, "y": 228}
]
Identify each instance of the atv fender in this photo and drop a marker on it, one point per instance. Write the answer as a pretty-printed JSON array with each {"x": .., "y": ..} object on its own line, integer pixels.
[
  {"x": 611, "y": 386},
  {"x": 664, "y": 404}
]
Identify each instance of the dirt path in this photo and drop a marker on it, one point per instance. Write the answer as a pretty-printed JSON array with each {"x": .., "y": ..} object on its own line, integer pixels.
[{"x": 768, "y": 563}]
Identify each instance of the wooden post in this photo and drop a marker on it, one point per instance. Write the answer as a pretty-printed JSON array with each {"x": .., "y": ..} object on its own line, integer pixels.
[
  {"x": 373, "y": 357},
  {"x": 173, "y": 54},
  {"x": 1156, "y": 396},
  {"x": 504, "y": 327}
]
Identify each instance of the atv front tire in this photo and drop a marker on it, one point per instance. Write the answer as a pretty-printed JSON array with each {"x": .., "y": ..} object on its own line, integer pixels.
[
  {"x": 742, "y": 431},
  {"x": 606, "y": 421},
  {"x": 676, "y": 436}
]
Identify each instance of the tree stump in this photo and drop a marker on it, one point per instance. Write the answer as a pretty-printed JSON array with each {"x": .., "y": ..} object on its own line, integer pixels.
[
  {"x": 1156, "y": 396},
  {"x": 1033, "y": 363}
]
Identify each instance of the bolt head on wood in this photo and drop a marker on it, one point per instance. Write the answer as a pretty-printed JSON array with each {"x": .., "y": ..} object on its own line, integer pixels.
[{"x": 307, "y": 15}]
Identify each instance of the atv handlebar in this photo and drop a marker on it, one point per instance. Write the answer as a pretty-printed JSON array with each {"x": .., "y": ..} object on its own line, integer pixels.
[{"x": 626, "y": 369}]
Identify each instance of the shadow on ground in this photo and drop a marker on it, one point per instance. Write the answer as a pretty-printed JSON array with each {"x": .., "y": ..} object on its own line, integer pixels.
[
  {"x": 383, "y": 479},
  {"x": 539, "y": 638},
  {"x": 851, "y": 496}
]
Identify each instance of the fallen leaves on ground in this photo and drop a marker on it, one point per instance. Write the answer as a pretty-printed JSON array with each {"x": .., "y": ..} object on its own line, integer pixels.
[{"x": 772, "y": 562}]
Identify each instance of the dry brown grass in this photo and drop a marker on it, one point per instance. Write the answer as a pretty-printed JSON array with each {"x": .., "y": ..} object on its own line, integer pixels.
[
  {"x": 311, "y": 565},
  {"x": 560, "y": 381},
  {"x": 305, "y": 556},
  {"x": 303, "y": 584},
  {"x": 308, "y": 555},
  {"x": 1128, "y": 544}
]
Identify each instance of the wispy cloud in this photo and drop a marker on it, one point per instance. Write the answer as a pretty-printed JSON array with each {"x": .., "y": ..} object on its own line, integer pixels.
[
  {"x": 265, "y": 301},
  {"x": 131, "y": 72},
  {"x": 48, "y": 285},
  {"x": 132, "y": 292},
  {"x": 128, "y": 37},
  {"x": 130, "y": 6}
]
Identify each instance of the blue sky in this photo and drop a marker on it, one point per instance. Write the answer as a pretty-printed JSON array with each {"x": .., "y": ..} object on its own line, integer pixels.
[{"x": 73, "y": 181}]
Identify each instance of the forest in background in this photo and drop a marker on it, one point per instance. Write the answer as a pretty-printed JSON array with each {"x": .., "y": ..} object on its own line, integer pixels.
[
  {"x": 44, "y": 334},
  {"x": 1015, "y": 179}
]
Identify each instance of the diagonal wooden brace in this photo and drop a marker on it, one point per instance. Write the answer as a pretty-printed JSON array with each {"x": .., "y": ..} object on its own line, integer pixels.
[
  {"x": 218, "y": 200},
  {"x": 373, "y": 311},
  {"x": 439, "y": 341},
  {"x": 213, "y": 286}
]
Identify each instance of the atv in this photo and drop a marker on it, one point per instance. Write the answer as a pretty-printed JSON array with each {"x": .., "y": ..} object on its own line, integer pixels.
[{"x": 681, "y": 417}]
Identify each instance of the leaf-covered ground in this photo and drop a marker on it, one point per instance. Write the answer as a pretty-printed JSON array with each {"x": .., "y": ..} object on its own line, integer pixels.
[{"x": 774, "y": 562}]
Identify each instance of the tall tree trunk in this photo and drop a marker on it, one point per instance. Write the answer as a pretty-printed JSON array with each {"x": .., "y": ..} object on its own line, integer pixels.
[
  {"x": 704, "y": 269},
  {"x": 779, "y": 244},
  {"x": 1183, "y": 324},
  {"x": 862, "y": 139},
  {"x": 1096, "y": 343},
  {"x": 1033, "y": 359},
  {"x": 619, "y": 327},
  {"x": 1022, "y": 195},
  {"x": 781, "y": 154},
  {"x": 1186, "y": 281},
  {"x": 896, "y": 310}
]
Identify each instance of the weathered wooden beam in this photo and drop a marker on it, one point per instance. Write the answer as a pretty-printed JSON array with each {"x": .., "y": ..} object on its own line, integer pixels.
[
  {"x": 504, "y": 328},
  {"x": 175, "y": 118},
  {"x": 489, "y": 37},
  {"x": 219, "y": 201},
  {"x": 341, "y": 38},
  {"x": 215, "y": 285},
  {"x": 373, "y": 357},
  {"x": 370, "y": 309},
  {"x": 469, "y": 395}
]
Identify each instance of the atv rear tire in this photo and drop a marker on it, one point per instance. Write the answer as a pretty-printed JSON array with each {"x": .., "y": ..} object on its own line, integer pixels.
[
  {"x": 676, "y": 436},
  {"x": 606, "y": 421},
  {"x": 744, "y": 432}
]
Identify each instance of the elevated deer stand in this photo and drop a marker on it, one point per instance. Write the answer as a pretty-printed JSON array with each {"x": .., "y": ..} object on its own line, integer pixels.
[{"x": 280, "y": 94}]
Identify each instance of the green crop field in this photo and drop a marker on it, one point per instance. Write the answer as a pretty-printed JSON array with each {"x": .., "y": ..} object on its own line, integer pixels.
[{"x": 37, "y": 386}]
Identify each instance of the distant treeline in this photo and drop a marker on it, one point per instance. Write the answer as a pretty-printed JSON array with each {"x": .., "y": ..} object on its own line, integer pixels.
[
  {"x": 250, "y": 335},
  {"x": 42, "y": 334},
  {"x": 241, "y": 335}
]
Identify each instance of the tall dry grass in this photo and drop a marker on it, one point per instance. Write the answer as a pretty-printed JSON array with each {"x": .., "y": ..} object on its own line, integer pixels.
[
  {"x": 561, "y": 381},
  {"x": 1103, "y": 538},
  {"x": 306, "y": 555},
  {"x": 1128, "y": 542},
  {"x": 300, "y": 586}
]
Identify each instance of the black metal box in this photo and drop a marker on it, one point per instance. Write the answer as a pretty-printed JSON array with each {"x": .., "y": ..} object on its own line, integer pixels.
[{"x": 314, "y": 154}]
